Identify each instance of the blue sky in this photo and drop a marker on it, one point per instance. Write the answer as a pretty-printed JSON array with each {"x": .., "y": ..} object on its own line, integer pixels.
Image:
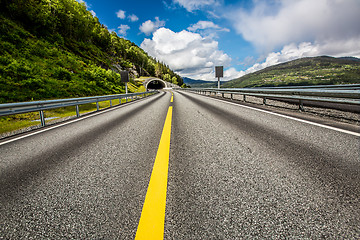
[{"x": 194, "y": 36}]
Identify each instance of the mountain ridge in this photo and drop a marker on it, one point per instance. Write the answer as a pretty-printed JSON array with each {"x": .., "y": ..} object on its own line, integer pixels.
[
  {"x": 59, "y": 49},
  {"x": 303, "y": 71}
]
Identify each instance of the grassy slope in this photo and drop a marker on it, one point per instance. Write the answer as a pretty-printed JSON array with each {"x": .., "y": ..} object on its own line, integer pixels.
[
  {"x": 34, "y": 69},
  {"x": 58, "y": 49},
  {"x": 305, "y": 71}
]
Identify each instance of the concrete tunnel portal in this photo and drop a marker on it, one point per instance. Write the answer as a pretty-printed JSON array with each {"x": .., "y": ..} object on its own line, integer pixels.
[{"x": 156, "y": 84}]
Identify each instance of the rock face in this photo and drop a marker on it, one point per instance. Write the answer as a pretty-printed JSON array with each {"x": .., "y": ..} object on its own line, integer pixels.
[{"x": 132, "y": 71}]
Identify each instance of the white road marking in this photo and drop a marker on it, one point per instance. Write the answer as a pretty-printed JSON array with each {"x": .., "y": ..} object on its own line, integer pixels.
[{"x": 293, "y": 118}]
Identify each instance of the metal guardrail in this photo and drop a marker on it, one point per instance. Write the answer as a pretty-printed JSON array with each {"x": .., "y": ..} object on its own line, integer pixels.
[
  {"x": 40, "y": 106},
  {"x": 338, "y": 95}
]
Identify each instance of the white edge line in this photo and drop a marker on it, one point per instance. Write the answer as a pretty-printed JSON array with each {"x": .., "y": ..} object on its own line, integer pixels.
[
  {"x": 66, "y": 123},
  {"x": 293, "y": 118}
]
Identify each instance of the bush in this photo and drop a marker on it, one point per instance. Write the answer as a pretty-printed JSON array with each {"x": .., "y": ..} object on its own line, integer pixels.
[{"x": 61, "y": 74}]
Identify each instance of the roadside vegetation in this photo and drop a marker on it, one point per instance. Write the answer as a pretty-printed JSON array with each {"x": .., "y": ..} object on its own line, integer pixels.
[
  {"x": 58, "y": 49},
  {"x": 22, "y": 121}
]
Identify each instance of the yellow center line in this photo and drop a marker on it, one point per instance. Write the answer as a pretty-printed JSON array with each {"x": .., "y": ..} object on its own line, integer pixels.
[
  {"x": 151, "y": 224},
  {"x": 172, "y": 97}
]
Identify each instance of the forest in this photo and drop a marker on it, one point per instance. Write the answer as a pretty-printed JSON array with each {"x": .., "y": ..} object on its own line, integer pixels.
[{"x": 58, "y": 49}]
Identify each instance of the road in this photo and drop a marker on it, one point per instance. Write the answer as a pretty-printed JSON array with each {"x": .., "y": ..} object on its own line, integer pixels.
[{"x": 234, "y": 173}]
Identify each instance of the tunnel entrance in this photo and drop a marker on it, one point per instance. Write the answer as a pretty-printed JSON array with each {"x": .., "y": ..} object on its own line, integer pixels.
[{"x": 156, "y": 84}]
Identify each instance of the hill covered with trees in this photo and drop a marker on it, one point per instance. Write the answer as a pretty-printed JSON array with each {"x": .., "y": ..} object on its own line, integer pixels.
[
  {"x": 322, "y": 70},
  {"x": 57, "y": 49}
]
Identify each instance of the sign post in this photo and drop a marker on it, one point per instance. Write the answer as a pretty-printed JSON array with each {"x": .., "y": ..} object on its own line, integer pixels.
[
  {"x": 125, "y": 79},
  {"x": 219, "y": 72}
]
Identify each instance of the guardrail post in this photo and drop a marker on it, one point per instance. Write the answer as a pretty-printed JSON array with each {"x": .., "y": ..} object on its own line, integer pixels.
[
  {"x": 244, "y": 97},
  {"x": 42, "y": 118},
  {"x": 222, "y": 95},
  {"x": 264, "y": 100},
  {"x": 97, "y": 106},
  {"x": 110, "y": 103},
  {"x": 77, "y": 111},
  {"x": 301, "y": 105},
  {"x": 231, "y": 96}
]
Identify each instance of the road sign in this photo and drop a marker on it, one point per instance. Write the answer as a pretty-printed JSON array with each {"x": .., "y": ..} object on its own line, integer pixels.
[
  {"x": 125, "y": 79},
  {"x": 219, "y": 71},
  {"x": 124, "y": 76}
]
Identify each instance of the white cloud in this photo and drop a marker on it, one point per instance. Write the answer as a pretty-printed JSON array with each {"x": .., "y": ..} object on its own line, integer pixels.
[
  {"x": 201, "y": 25},
  {"x": 307, "y": 49},
  {"x": 123, "y": 29},
  {"x": 133, "y": 18},
  {"x": 273, "y": 24},
  {"x": 82, "y": 1},
  {"x": 149, "y": 26},
  {"x": 120, "y": 14},
  {"x": 342, "y": 48},
  {"x": 93, "y": 13},
  {"x": 191, "y": 5},
  {"x": 187, "y": 53},
  {"x": 88, "y": 6},
  {"x": 232, "y": 73}
]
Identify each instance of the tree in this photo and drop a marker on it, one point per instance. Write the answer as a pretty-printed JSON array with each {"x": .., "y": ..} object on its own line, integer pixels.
[
  {"x": 174, "y": 80},
  {"x": 167, "y": 77}
]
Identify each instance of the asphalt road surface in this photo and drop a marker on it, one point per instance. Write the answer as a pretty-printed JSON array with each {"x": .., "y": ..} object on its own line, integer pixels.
[{"x": 234, "y": 173}]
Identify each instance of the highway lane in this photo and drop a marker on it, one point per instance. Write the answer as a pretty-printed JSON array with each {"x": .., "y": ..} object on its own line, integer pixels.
[
  {"x": 85, "y": 180},
  {"x": 234, "y": 173}
]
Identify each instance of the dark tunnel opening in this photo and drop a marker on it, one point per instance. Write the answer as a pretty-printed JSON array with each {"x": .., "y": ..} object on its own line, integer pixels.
[{"x": 156, "y": 84}]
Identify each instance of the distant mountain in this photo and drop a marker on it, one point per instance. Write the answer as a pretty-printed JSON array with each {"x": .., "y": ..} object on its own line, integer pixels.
[
  {"x": 199, "y": 83},
  {"x": 350, "y": 59},
  {"x": 303, "y": 71}
]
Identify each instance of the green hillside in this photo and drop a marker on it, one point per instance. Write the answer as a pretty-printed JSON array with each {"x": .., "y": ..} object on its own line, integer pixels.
[
  {"x": 57, "y": 49},
  {"x": 304, "y": 71}
]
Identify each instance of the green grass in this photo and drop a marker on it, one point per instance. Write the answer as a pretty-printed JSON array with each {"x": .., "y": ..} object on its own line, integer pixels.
[
  {"x": 49, "y": 62},
  {"x": 20, "y": 121}
]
